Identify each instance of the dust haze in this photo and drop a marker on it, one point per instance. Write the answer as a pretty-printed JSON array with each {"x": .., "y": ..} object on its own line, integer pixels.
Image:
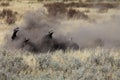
[{"x": 36, "y": 24}]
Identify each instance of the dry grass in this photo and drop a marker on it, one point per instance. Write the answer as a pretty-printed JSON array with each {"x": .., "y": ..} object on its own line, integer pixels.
[
  {"x": 5, "y": 4},
  {"x": 88, "y": 64},
  {"x": 72, "y": 13},
  {"x": 57, "y": 8},
  {"x": 62, "y": 9},
  {"x": 8, "y": 15}
]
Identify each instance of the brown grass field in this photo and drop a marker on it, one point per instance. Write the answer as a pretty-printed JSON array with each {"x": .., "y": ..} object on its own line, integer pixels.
[{"x": 91, "y": 63}]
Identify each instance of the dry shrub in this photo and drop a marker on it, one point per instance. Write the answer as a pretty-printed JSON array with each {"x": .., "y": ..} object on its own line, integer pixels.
[
  {"x": 72, "y": 13},
  {"x": 107, "y": 5},
  {"x": 9, "y": 0},
  {"x": 56, "y": 8},
  {"x": 15, "y": 12},
  {"x": 72, "y": 4},
  {"x": 86, "y": 10},
  {"x": 60, "y": 8},
  {"x": 10, "y": 20},
  {"x": 6, "y": 12},
  {"x": 76, "y": 4},
  {"x": 92, "y": 4},
  {"x": 5, "y": 4},
  {"x": 9, "y": 15},
  {"x": 103, "y": 10},
  {"x": 3, "y": 76},
  {"x": 40, "y": 0}
]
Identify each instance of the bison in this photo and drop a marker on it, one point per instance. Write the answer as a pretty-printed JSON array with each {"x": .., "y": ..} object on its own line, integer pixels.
[
  {"x": 51, "y": 44},
  {"x": 27, "y": 44}
]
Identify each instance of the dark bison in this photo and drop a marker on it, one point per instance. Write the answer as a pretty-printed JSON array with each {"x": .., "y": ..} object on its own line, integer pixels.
[
  {"x": 30, "y": 46},
  {"x": 49, "y": 43}
]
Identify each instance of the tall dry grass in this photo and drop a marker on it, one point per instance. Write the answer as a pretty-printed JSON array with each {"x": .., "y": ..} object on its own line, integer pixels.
[{"x": 88, "y": 64}]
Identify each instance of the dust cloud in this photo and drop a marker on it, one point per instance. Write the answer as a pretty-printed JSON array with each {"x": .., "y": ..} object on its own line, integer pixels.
[{"x": 84, "y": 34}]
